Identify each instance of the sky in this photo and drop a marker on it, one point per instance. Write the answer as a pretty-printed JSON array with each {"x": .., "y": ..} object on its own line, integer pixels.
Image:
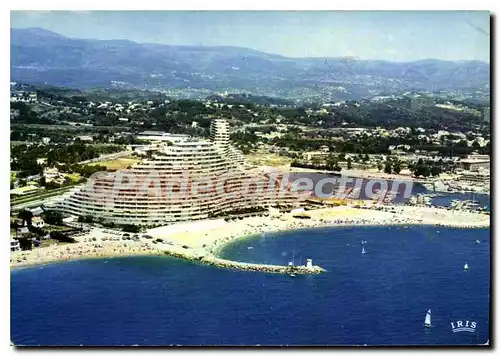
[{"x": 384, "y": 35}]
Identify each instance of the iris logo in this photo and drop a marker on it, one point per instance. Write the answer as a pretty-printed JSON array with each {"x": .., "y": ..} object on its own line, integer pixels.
[{"x": 459, "y": 326}]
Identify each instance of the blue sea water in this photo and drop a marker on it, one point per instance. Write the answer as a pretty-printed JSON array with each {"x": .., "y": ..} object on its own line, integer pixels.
[{"x": 379, "y": 298}]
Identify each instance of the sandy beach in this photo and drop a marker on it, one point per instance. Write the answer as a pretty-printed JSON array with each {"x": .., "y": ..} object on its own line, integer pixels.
[{"x": 203, "y": 239}]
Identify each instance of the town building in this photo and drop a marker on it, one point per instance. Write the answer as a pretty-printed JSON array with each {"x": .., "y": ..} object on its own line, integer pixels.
[
  {"x": 189, "y": 179},
  {"x": 50, "y": 174},
  {"x": 24, "y": 190},
  {"x": 21, "y": 222},
  {"x": 21, "y": 230},
  {"x": 36, "y": 211},
  {"x": 313, "y": 156},
  {"x": 481, "y": 176},
  {"x": 37, "y": 221},
  {"x": 159, "y": 136},
  {"x": 14, "y": 245},
  {"x": 85, "y": 138},
  {"x": 475, "y": 162}
]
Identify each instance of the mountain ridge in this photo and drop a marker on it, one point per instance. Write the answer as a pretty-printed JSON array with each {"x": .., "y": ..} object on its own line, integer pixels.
[
  {"x": 43, "y": 56},
  {"x": 222, "y": 47}
]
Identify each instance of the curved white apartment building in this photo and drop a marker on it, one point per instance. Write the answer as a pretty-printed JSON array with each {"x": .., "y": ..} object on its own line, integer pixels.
[{"x": 190, "y": 180}]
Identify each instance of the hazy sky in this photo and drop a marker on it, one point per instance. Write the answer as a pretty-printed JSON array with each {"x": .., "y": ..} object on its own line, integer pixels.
[{"x": 395, "y": 36}]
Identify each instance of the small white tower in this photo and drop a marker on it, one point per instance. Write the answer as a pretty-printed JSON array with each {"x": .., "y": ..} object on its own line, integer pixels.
[{"x": 309, "y": 263}]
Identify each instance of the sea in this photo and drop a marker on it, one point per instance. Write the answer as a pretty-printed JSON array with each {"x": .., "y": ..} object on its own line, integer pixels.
[{"x": 378, "y": 298}]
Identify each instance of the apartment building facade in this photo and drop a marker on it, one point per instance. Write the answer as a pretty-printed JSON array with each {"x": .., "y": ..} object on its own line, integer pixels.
[{"x": 191, "y": 179}]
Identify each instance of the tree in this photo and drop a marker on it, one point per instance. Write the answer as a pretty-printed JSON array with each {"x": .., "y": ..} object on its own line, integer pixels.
[
  {"x": 316, "y": 161},
  {"x": 336, "y": 168},
  {"x": 110, "y": 224},
  {"x": 349, "y": 163},
  {"x": 396, "y": 168},
  {"x": 388, "y": 167},
  {"x": 425, "y": 171},
  {"x": 26, "y": 215},
  {"x": 37, "y": 231},
  {"x": 331, "y": 162},
  {"x": 25, "y": 243},
  {"x": 52, "y": 185},
  {"x": 435, "y": 170},
  {"x": 421, "y": 169},
  {"x": 53, "y": 217},
  {"x": 61, "y": 237},
  {"x": 131, "y": 228}
]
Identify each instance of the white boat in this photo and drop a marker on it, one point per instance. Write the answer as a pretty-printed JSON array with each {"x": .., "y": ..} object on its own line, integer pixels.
[
  {"x": 427, "y": 322},
  {"x": 466, "y": 266},
  {"x": 363, "y": 250},
  {"x": 291, "y": 265}
]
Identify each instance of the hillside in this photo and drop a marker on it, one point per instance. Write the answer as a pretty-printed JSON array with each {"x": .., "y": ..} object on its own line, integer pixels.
[{"x": 40, "y": 56}]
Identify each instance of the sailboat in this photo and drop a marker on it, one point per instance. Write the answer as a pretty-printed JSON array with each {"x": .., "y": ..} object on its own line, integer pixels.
[
  {"x": 363, "y": 250},
  {"x": 466, "y": 266},
  {"x": 292, "y": 265},
  {"x": 427, "y": 322}
]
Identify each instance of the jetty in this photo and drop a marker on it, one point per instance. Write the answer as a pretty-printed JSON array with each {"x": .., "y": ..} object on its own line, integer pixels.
[{"x": 213, "y": 261}]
